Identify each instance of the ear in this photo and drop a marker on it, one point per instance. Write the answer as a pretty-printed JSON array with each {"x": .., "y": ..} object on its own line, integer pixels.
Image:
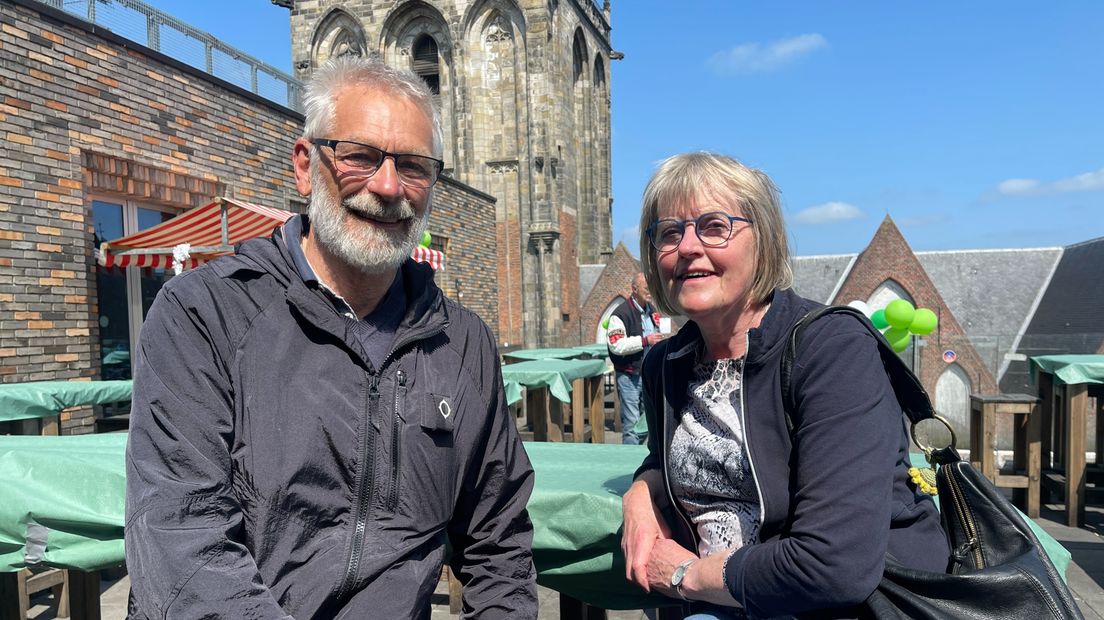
[{"x": 300, "y": 161}]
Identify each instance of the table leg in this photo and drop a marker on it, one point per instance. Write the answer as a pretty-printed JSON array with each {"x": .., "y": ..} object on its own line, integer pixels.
[
  {"x": 1075, "y": 403},
  {"x": 1034, "y": 462},
  {"x": 84, "y": 595},
  {"x": 555, "y": 416},
  {"x": 574, "y": 609},
  {"x": 597, "y": 410},
  {"x": 1046, "y": 418},
  {"x": 578, "y": 397},
  {"x": 13, "y": 596},
  {"x": 536, "y": 405}
]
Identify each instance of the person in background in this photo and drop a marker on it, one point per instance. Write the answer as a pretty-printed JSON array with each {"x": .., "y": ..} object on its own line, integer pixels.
[
  {"x": 313, "y": 421},
  {"x": 633, "y": 328},
  {"x": 732, "y": 511}
]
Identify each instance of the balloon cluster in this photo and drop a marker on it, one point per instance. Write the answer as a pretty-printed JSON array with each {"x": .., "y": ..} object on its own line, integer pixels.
[{"x": 901, "y": 321}]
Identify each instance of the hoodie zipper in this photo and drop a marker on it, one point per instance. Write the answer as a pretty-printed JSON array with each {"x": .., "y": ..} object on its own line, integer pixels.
[
  {"x": 364, "y": 486},
  {"x": 396, "y": 444}
]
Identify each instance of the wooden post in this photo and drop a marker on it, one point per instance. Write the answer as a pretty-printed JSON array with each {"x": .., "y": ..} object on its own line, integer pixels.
[
  {"x": 597, "y": 409},
  {"x": 1046, "y": 418},
  {"x": 578, "y": 397},
  {"x": 13, "y": 596},
  {"x": 1033, "y": 465},
  {"x": 84, "y": 595},
  {"x": 1076, "y": 404}
]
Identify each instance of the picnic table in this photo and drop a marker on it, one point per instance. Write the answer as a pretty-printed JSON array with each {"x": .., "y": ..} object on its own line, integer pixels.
[
  {"x": 550, "y": 384},
  {"x": 1065, "y": 384},
  {"x": 63, "y": 499}
]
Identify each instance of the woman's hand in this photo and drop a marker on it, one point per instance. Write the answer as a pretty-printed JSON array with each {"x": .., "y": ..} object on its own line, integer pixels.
[
  {"x": 666, "y": 555},
  {"x": 644, "y": 526}
]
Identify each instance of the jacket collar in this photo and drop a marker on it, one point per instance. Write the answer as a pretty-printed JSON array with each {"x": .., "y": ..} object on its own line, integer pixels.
[{"x": 425, "y": 306}]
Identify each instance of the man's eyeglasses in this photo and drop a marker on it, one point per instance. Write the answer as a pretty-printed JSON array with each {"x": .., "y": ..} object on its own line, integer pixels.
[
  {"x": 712, "y": 229},
  {"x": 365, "y": 160}
]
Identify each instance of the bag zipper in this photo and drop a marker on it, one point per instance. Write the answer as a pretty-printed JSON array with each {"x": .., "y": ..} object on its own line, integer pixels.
[{"x": 965, "y": 517}]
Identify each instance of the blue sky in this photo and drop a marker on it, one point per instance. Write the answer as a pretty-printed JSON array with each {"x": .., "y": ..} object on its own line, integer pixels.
[{"x": 973, "y": 125}]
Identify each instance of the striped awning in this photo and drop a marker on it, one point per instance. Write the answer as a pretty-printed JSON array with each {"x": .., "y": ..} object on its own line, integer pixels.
[{"x": 204, "y": 233}]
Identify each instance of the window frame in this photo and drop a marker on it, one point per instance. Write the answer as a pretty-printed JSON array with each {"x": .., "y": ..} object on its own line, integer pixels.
[{"x": 135, "y": 313}]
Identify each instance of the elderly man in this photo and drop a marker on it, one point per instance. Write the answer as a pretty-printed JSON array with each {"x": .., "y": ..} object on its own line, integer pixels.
[
  {"x": 633, "y": 328},
  {"x": 312, "y": 419}
]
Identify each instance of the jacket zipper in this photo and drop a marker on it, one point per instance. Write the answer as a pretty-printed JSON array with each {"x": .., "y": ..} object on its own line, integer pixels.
[
  {"x": 666, "y": 466},
  {"x": 396, "y": 444},
  {"x": 365, "y": 481},
  {"x": 747, "y": 437},
  {"x": 366, "y": 471},
  {"x": 971, "y": 543}
]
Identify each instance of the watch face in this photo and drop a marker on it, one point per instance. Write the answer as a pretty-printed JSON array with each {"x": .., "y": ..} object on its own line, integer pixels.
[{"x": 680, "y": 572}]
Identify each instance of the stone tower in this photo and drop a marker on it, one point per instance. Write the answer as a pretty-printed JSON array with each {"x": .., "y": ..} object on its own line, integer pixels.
[{"x": 524, "y": 93}]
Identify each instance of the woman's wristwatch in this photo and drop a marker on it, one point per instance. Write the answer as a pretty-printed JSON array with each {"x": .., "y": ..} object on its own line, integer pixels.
[{"x": 679, "y": 575}]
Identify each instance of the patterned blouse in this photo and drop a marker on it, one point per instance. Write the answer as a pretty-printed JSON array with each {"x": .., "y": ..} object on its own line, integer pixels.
[{"x": 710, "y": 471}]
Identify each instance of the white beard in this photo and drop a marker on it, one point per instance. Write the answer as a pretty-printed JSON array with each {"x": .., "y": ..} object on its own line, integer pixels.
[{"x": 357, "y": 243}]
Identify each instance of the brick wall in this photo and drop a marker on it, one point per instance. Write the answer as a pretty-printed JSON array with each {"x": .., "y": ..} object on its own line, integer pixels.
[{"x": 467, "y": 218}]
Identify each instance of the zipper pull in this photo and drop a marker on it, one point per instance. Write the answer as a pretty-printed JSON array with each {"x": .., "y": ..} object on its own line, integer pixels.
[
  {"x": 373, "y": 386},
  {"x": 401, "y": 377},
  {"x": 963, "y": 551}
]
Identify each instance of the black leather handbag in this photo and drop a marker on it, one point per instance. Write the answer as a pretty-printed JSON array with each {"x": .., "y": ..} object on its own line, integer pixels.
[{"x": 996, "y": 567}]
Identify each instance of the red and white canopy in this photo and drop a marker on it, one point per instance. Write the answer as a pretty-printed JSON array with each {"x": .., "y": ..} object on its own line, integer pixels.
[{"x": 209, "y": 231}]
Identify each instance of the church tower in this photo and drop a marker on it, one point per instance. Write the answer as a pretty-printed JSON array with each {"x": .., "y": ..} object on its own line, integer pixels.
[{"x": 523, "y": 87}]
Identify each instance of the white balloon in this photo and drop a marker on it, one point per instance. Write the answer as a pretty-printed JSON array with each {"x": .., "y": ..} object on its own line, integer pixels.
[{"x": 861, "y": 306}]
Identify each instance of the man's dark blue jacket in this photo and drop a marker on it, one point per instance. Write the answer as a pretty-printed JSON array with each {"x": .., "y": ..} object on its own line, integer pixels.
[{"x": 272, "y": 472}]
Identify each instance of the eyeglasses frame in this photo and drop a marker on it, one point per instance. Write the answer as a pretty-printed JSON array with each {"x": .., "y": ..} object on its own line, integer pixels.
[
  {"x": 332, "y": 144},
  {"x": 651, "y": 230}
]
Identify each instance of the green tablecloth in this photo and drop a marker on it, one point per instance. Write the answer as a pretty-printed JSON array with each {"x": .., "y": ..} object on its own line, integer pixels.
[
  {"x": 1072, "y": 369},
  {"x": 69, "y": 492},
  {"x": 545, "y": 354},
  {"x": 596, "y": 349},
  {"x": 23, "y": 401},
  {"x": 554, "y": 374}
]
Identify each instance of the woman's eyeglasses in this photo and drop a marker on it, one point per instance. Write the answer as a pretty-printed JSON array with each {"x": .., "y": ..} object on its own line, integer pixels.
[{"x": 712, "y": 229}]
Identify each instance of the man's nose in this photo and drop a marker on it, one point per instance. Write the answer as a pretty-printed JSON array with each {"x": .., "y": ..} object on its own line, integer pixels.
[{"x": 385, "y": 182}]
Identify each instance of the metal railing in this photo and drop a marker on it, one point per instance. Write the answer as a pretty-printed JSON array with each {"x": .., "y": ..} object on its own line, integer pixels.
[{"x": 164, "y": 33}]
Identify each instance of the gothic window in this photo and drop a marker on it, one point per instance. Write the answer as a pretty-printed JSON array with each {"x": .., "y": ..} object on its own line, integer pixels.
[
  {"x": 579, "y": 59},
  {"x": 424, "y": 62}
]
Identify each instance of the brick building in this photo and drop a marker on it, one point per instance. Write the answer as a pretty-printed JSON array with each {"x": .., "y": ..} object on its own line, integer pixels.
[
  {"x": 104, "y": 136},
  {"x": 524, "y": 95}
]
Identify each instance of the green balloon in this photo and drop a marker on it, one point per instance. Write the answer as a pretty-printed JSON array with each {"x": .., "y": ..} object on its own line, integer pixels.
[
  {"x": 879, "y": 320},
  {"x": 898, "y": 338},
  {"x": 605, "y": 324},
  {"x": 924, "y": 322},
  {"x": 899, "y": 313},
  {"x": 426, "y": 239}
]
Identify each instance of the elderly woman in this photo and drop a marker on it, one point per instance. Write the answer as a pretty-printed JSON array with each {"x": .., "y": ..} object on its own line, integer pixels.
[{"x": 732, "y": 511}]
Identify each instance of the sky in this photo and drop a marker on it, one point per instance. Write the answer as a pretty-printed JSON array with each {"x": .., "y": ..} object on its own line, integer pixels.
[{"x": 973, "y": 125}]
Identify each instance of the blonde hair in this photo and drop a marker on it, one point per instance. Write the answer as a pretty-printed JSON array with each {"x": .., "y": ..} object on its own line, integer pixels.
[{"x": 699, "y": 175}]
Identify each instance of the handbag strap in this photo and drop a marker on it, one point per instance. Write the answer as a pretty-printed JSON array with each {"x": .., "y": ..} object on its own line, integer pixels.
[{"x": 910, "y": 393}]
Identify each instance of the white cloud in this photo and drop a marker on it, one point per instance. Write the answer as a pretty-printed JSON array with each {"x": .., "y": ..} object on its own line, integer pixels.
[
  {"x": 762, "y": 57},
  {"x": 1087, "y": 182},
  {"x": 828, "y": 213},
  {"x": 1014, "y": 187}
]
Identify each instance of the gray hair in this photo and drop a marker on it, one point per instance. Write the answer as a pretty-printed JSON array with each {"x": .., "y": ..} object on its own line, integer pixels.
[
  {"x": 700, "y": 175},
  {"x": 343, "y": 71}
]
